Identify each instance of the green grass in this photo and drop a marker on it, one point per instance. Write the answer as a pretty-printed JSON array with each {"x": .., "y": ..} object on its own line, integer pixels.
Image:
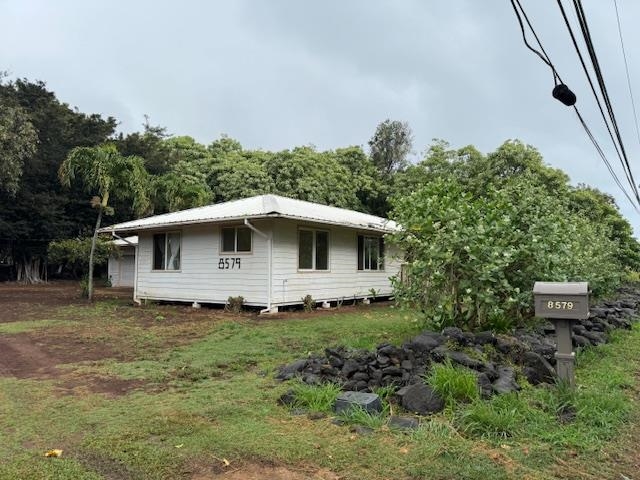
[
  {"x": 209, "y": 389},
  {"x": 454, "y": 383},
  {"x": 320, "y": 398}
]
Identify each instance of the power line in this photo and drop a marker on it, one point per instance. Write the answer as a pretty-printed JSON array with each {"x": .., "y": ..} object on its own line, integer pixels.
[
  {"x": 542, "y": 54},
  {"x": 588, "y": 75},
  {"x": 584, "y": 26},
  {"x": 626, "y": 68}
]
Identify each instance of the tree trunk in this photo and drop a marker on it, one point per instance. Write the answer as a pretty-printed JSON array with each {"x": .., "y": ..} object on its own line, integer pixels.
[
  {"x": 93, "y": 248},
  {"x": 29, "y": 271}
]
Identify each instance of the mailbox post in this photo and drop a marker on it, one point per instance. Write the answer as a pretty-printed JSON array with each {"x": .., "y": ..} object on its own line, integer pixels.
[{"x": 562, "y": 302}]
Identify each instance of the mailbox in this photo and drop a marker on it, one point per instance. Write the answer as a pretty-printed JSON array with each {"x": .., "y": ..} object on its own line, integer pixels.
[
  {"x": 561, "y": 303},
  {"x": 564, "y": 300}
]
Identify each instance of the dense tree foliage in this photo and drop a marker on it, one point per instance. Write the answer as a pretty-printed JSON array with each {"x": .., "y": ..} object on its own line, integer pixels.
[
  {"x": 40, "y": 210},
  {"x": 390, "y": 145},
  {"x": 478, "y": 229},
  {"x": 477, "y": 241}
]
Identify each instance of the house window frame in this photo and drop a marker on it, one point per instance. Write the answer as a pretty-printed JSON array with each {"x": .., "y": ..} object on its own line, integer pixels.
[
  {"x": 235, "y": 250},
  {"x": 313, "y": 250},
  {"x": 381, "y": 260},
  {"x": 153, "y": 250}
]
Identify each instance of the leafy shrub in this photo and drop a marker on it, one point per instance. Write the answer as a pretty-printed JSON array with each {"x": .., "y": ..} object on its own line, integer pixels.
[
  {"x": 308, "y": 303},
  {"x": 72, "y": 254},
  {"x": 317, "y": 398},
  {"x": 454, "y": 383},
  {"x": 480, "y": 232},
  {"x": 234, "y": 304}
]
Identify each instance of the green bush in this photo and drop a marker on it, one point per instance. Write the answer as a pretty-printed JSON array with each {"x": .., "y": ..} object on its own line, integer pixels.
[
  {"x": 308, "y": 303},
  {"x": 474, "y": 243},
  {"x": 234, "y": 304},
  {"x": 454, "y": 383}
]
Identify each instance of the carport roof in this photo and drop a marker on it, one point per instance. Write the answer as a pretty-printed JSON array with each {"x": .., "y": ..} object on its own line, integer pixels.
[{"x": 261, "y": 206}]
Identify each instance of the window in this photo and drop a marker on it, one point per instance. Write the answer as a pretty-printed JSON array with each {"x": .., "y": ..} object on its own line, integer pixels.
[
  {"x": 166, "y": 251},
  {"x": 313, "y": 250},
  {"x": 236, "y": 239},
  {"x": 370, "y": 253}
]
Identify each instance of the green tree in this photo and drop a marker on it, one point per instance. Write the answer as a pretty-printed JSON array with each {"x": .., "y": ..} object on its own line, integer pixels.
[
  {"x": 73, "y": 253},
  {"x": 103, "y": 172},
  {"x": 390, "y": 145},
  {"x": 41, "y": 210},
  {"x": 18, "y": 141}
]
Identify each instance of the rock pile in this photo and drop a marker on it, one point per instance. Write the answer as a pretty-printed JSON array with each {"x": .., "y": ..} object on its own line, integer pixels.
[{"x": 490, "y": 356}]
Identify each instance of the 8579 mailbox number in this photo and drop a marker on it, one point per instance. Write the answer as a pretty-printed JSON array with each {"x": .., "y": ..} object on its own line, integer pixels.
[
  {"x": 559, "y": 305},
  {"x": 232, "y": 263}
]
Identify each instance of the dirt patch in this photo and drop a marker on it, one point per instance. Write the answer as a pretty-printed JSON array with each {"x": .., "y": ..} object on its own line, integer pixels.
[
  {"x": 258, "y": 471},
  {"x": 27, "y": 355},
  {"x": 20, "y": 302},
  {"x": 109, "y": 386}
]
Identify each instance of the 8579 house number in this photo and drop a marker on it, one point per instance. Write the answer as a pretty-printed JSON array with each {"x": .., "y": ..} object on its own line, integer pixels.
[{"x": 229, "y": 263}]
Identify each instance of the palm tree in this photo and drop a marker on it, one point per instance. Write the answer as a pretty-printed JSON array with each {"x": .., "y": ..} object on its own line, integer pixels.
[{"x": 104, "y": 172}]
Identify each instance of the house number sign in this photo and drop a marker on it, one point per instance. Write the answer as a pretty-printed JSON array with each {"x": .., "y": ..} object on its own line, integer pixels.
[{"x": 232, "y": 263}]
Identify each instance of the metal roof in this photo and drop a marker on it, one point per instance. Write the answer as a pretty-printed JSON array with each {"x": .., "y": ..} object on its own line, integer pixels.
[
  {"x": 261, "y": 206},
  {"x": 126, "y": 242}
]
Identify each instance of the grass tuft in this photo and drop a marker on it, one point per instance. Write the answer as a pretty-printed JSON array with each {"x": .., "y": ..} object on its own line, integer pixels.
[
  {"x": 359, "y": 416},
  {"x": 500, "y": 417},
  {"x": 454, "y": 383},
  {"x": 316, "y": 398}
]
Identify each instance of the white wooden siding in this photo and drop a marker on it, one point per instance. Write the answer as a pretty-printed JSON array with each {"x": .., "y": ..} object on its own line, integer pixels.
[
  {"x": 343, "y": 280},
  {"x": 199, "y": 278},
  {"x": 121, "y": 269}
]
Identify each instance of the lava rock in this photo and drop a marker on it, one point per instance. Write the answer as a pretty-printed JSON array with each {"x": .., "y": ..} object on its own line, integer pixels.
[
  {"x": 455, "y": 334},
  {"x": 421, "y": 399},
  {"x": 537, "y": 370},
  {"x": 288, "y": 398},
  {"x": 506, "y": 382},
  {"x": 485, "y": 338},
  {"x": 403, "y": 423},
  {"x": 425, "y": 342},
  {"x": 287, "y": 372},
  {"x": 484, "y": 384},
  {"x": 350, "y": 367},
  {"x": 580, "y": 341},
  {"x": 368, "y": 401}
]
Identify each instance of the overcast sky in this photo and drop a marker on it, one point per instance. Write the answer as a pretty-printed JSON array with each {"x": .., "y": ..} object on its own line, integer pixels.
[{"x": 279, "y": 73}]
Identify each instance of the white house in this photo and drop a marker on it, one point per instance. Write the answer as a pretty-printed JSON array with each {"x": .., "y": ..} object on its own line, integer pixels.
[
  {"x": 121, "y": 266},
  {"x": 271, "y": 250}
]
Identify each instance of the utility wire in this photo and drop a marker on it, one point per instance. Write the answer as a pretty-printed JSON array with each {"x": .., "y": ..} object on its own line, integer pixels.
[
  {"x": 520, "y": 12},
  {"x": 584, "y": 26},
  {"x": 593, "y": 88},
  {"x": 626, "y": 68}
]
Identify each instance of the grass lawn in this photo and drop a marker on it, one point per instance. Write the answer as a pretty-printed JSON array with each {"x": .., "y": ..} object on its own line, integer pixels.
[{"x": 163, "y": 392}]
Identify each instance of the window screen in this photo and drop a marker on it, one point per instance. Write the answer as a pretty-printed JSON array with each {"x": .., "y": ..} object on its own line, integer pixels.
[
  {"x": 228, "y": 239},
  {"x": 322, "y": 250},
  {"x": 158, "y": 251},
  {"x": 244, "y": 239},
  {"x": 305, "y": 249}
]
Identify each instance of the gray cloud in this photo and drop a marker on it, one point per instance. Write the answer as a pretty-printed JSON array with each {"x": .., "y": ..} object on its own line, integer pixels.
[{"x": 280, "y": 73}]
